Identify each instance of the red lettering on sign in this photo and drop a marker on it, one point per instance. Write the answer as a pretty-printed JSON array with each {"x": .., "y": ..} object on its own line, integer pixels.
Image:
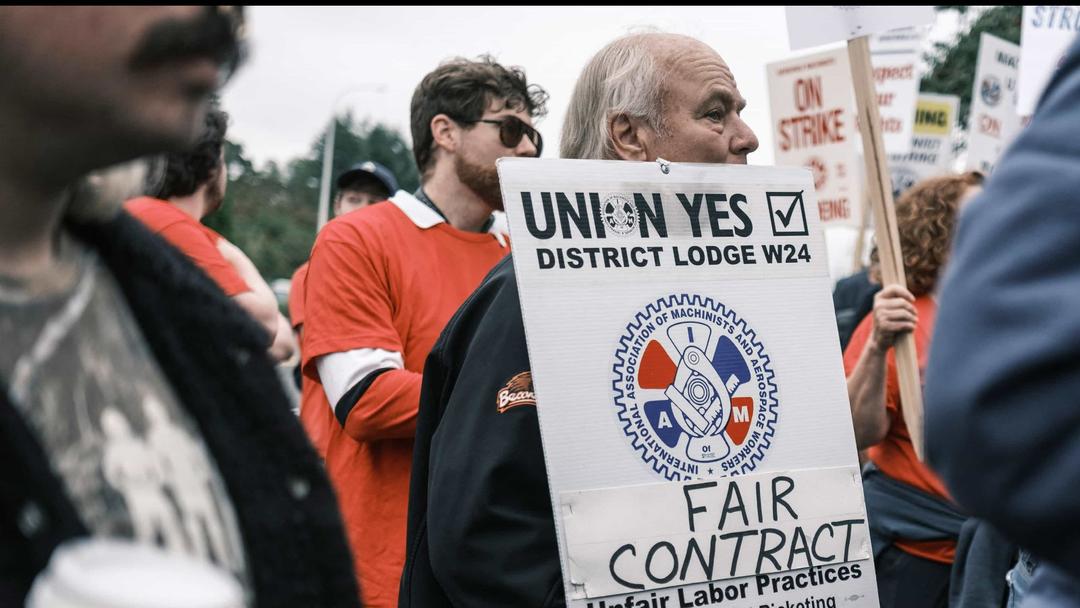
[
  {"x": 809, "y": 130},
  {"x": 808, "y": 93},
  {"x": 834, "y": 209},
  {"x": 989, "y": 125}
]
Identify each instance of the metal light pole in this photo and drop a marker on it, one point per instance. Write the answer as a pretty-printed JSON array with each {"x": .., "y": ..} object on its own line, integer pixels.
[{"x": 328, "y": 149}]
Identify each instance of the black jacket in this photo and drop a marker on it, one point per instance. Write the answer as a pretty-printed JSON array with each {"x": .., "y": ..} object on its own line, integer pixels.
[
  {"x": 214, "y": 357},
  {"x": 481, "y": 530}
]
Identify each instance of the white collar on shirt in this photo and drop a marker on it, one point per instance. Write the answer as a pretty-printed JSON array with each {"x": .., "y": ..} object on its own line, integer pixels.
[{"x": 425, "y": 217}]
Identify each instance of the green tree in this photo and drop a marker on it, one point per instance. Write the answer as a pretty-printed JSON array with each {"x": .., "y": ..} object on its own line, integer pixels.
[
  {"x": 952, "y": 65},
  {"x": 271, "y": 213}
]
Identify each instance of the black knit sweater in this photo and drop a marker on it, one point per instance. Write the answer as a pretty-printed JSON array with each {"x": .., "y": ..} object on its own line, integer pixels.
[{"x": 211, "y": 352}]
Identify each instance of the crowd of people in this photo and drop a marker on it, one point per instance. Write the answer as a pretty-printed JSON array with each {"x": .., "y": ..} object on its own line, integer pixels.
[{"x": 141, "y": 400}]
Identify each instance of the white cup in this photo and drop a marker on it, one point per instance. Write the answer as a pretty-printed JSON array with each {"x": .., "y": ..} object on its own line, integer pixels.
[{"x": 109, "y": 573}]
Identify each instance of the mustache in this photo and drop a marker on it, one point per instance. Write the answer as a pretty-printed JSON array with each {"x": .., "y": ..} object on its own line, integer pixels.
[{"x": 213, "y": 35}]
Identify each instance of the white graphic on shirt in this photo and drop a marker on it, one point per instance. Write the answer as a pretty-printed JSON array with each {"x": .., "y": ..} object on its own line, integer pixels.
[
  {"x": 187, "y": 473},
  {"x": 131, "y": 468}
]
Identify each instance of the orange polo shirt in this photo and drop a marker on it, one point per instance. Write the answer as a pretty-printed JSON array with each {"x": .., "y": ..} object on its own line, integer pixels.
[
  {"x": 296, "y": 296},
  {"x": 895, "y": 455},
  {"x": 389, "y": 277},
  {"x": 189, "y": 235}
]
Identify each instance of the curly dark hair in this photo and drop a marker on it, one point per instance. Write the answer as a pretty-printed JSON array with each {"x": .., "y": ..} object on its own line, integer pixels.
[
  {"x": 184, "y": 172},
  {"x": 463, "y": 90},
  {"x": 925, "y": 218}
]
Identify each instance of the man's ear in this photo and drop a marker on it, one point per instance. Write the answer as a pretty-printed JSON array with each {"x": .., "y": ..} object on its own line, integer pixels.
[
  {"x": 629, "y": 137},
  {"x": 445, "y": 132}
]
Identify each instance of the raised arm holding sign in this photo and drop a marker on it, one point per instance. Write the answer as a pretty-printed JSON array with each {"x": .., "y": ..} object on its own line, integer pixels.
[{"x": 813, "y": 25}]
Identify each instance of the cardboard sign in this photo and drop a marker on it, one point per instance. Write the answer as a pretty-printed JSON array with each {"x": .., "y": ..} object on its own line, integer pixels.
[
  {"x": 814, "y": 25},
  {"x": 895, "y": 56},
  {"x": 1045, "y": 35},
  {"x": 993, "y": 121},
  {"x": 692, "y": 402},
  {"x": 931, "y": 144},
  {"x": 813, "y": 114}
]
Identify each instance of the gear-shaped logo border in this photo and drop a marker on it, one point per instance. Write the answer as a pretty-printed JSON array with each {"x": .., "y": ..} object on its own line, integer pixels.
[
  {"x": 770, "y": 404},
  {"x": 609, "y": 221}
]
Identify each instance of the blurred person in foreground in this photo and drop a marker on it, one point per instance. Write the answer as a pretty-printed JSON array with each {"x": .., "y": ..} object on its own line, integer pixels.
[
  {"x": 138, "y": 402},
  {"x": 192, "y": 187},
  {"x": 913, "y": 524},
  {"x": 382, "y": 283},
  {"x": 1003, "y": 386},
  {"x": 479, "y": 500}
]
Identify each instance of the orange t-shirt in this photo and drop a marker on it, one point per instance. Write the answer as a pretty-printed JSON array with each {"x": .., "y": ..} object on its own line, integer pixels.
[
  {"x": 196, "y": 241},
  {"x": 380, "y": 278},
  {"x": 296, "y": 296},
  {"x": 895, "y": 455}
]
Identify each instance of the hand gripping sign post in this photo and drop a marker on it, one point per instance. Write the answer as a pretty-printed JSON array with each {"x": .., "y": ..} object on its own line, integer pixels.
[
  {"x": 692, "y": 404},
  {"x": 812, "y": 25}
]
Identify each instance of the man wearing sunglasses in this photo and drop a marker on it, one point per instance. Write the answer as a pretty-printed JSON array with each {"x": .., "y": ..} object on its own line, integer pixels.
[
  {"x": 481, "y": 531},
  {"x": 381, "y": 285}
]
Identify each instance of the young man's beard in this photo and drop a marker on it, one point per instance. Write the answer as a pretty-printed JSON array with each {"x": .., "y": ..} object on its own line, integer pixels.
[{"x": 483, "y": 180}]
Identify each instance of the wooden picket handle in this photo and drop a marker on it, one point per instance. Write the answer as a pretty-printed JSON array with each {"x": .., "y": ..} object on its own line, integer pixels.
[
  {"x": 879, "y": 191},
  {"x": 860, "y": 241}
]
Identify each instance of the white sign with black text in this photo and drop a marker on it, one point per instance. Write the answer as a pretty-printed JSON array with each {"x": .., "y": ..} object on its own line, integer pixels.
[
  {"x": 931, "y": 143},
  {"x": 1045, "y": 35},
  {"x": 993, "y": 121},
  {"x": 692, "y": 403}
]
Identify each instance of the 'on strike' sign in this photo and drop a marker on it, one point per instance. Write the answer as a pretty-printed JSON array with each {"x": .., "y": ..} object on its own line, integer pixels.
[
  {"x": 692, "y": 402},
  {"x": 813, "y": 115}
]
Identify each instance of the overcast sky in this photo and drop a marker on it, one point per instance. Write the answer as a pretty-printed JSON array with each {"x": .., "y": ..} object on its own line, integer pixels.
[{"x": 309, "y": 61}]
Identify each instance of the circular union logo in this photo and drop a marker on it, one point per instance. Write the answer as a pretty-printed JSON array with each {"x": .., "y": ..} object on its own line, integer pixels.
[
  {"x": 990, "y": 90},
  {"x": 620, "y": 215},
  {"x": 694, "y": 389},
  {"x": 902, "y": 179}
]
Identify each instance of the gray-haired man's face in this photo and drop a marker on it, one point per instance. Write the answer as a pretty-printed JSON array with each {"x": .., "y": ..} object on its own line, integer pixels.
[{"x": 701, "y": 109}]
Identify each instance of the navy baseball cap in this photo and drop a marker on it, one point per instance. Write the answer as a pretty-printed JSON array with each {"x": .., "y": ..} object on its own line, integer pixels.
[{"x": 369, "y": 169}]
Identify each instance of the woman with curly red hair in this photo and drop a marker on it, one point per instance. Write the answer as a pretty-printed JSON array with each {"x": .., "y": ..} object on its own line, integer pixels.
[{"x": 913, "y": 523}]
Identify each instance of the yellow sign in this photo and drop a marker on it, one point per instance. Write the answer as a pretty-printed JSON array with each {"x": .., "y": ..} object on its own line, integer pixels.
[{"x": 933, "y": 117}]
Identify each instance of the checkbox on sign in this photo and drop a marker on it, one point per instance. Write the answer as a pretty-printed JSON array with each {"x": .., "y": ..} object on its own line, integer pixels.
[{"x": 787, "y": 213}]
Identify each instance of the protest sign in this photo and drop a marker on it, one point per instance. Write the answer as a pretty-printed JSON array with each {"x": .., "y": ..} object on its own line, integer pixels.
[
  {"x": 993, "y": 121},
  {"x": 809, "y": 25},
  {"x": 813, "y": 114},
  {"x": 1045, "y": 35},
  {"x": 814, "y": 25},
  {"x": 931, "y": 143},
  {"x": 692, "y": 403},
  {"x": 895, "y": 55}
]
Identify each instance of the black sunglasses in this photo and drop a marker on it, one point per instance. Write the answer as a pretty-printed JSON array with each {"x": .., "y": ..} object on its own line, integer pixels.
[{"x": 511, "y": 130}]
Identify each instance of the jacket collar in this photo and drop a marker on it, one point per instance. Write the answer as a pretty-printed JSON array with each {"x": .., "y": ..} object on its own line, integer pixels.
[{"x": 425, "y": 217}]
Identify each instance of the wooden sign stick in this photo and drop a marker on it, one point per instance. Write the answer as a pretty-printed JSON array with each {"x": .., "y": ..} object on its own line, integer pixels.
[
  {"x": 879, "y": 191},
  {"x": 860, "y": 242}
]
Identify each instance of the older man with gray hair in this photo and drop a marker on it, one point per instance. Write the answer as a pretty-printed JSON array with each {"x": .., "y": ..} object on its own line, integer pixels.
[{"x": 481, "y": 530}]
